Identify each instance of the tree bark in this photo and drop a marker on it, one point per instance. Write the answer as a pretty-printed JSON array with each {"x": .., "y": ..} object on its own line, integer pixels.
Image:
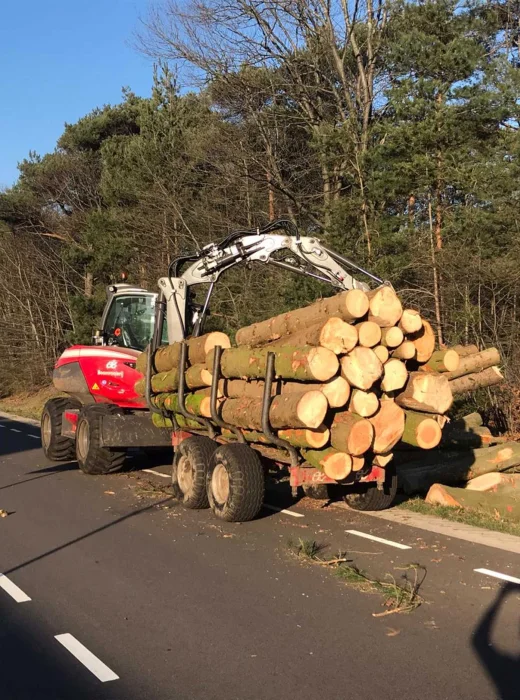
[
  {"x": 475, "y": 363},
  {"x": 298, "y": 437},
  {"x": 465, "y": 350},
  {"x": 395, "y": 376},
  {"x": 196, "y": 376},
  {"x": 388, "y": 425},
  {"x": 182, "y": 422},
  {"x": 494, "y": 481},
  {"x": 336, "y": 390},
  {"x": 472, "y": 382},
  {"x": 421, "y": 430},
  {"x": 351, "y": 433},
  {"x": 334, "y": 334},
  {"x": 426, "y": 392},
  {"x": 333, "y": 463},
  {"x": 349, "y": 306},
  {"x": 302, "y": 364},
  {"x": 361, "y": 368},
  {"x": 290, "y": 411},
  {"x": 364, "y": 403},
  {"x": 442, "y": 361},
  {"x": 385, "y": 306}
]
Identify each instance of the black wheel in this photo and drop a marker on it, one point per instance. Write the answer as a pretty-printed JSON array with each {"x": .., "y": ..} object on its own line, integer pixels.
[
  {"x": 91, "y": 456},
  {"x": 319, "y": 492},
  {"x": 190, "y": 466},
  {"x": 369, "y": 497},
  {"x": 235, "y": 483},
  {"x": 56, "y": 446}
]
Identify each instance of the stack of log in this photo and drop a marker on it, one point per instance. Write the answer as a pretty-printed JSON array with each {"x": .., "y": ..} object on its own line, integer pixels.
[{"x": 356, "y": 374}]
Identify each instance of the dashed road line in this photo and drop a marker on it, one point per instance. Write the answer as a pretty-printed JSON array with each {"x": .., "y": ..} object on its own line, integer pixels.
[
  {"x": 381, "y": 540},
  {"x": 152, "y": 471},
  {"x": 36, "y": 437},
  {"x": 86, "y": 657},
  {"x": 13, "y": 590},
  {"x": 283, "y": 510},
  {"x": 15, "y": 430},
  {"x": 497, "y": 574}
]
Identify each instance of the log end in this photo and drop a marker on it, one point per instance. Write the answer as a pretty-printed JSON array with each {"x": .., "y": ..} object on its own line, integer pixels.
[
  {"x": 312, "y": 409},
  {"x": 323, "y": 364},
  {"x": 439, "y": 496}
]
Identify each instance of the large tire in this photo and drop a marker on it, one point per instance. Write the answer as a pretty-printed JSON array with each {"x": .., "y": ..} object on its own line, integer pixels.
[
  {"x": 190, "y": 466},
  {"x": 91, "y": 456},
  {"x": 56, "y": 446},
  {"x": 369, "y": 497},
  {"x": 236, "y": 483}
]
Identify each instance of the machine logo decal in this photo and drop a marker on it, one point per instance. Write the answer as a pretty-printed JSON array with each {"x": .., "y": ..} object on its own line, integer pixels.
[{"x": 112, "y": 364}]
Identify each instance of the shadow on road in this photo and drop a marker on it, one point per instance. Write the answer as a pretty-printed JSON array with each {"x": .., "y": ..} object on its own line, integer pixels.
[
  {"x": 13, "y": 442},
  {"x": 43, "y": 473},
  {"x": 502, "y": 667}
]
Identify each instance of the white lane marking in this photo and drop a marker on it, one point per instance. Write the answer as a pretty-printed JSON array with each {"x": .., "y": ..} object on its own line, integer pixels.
[
  {"x": 283, "y": 510},
  {"x": 2, "y": 426},
  {"x": 87, "y": 658},
  {"x": 378, "y": 539},
  {"x": 496, "y": 574},
  {"x": 15, "y": 430},
  {"x": 13, "y": 590},
  {"x": 152, "y": 471},
  {"x": 36, "y": 437}
]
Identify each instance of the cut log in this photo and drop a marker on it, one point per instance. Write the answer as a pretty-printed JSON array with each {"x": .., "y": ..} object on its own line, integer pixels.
[
  {"x": 303, "y": 364},
  {"x": 337, "y": 390},
  {"x": 385, "y": 306},
  {"x": 196, "y": 376},
  {"x": 383, "y": 460},
  {"x": 388, "y": 425},
  {"x": 494, "y": 481},
  {"x": 161, "y": 422},
  {"x": 411, "y": 321},
  {"x": 334, "y": 334},
  {"x": 168, "y": 356},
  {"x": 405, "y": 351},
  {"x": 424, "y": 341},
  {"x": 161, "y": 383},
  {"x": 351, "y": 433},
  {"x": 358, "y": 463},
  {"x": 421, "y": 431},
  {"x": 302, "y": 437},
  {"x": 458, "y": 467},
  {"x": 472, "y": 382},
  {"x": 287, "y": 411},
  {"x": 369, "y": 334},
  {"x": 426, "y": 392},
  {"x": 395, "y": 375},
  {"x": 392, "y": 337},
  {"x": 442, "y": 361},
  {"x": 364, "y": 403},
  {"x": 361, "y": 368},
  {"x": 197, "y": 403},
  {"x": 506, "y": 505},
  {"x": 334, "y": 464},
  {"x": 382, "y": 353},
  {"x": 475, "y": 363},
  {"x": 349, "y": 306},
  {"x": 465, "y": 350}
]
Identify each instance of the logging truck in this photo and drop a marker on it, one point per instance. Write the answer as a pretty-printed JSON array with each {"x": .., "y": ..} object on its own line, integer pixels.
[{"x": 153, "y": 379}]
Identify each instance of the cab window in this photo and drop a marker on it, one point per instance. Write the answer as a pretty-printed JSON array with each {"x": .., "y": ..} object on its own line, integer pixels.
[{"x": 130, "y": 320}]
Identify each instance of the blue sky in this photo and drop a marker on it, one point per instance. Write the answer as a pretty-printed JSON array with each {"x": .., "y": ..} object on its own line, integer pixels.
[{"x": 59, "y": 59}]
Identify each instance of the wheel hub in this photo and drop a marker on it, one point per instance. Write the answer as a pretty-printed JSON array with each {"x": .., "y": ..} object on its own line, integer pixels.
[
  {"x": 46, "y": 430},
  {"x": 220, "y": 484},
  {"x": 185, "y": 475},
  {"x": 83, "y": 439}
]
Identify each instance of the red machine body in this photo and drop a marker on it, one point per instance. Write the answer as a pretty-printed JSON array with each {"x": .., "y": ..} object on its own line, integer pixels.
[{"x": 99, "y": 374}]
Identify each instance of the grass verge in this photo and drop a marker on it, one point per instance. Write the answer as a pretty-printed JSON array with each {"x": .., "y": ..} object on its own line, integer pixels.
[
  {"x": 397, "y": 596},
  {"x": 460, "y": 515},
  {"x": 28, "y": 404}
]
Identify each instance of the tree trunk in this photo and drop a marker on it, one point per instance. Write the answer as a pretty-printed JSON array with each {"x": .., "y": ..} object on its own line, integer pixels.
[
  {"x": 361, "y": 368},
  {"x": 455, "y": 468},
  {"x": 506, "y": 505},
  {"x": 475, "y": 363},
  {"x": 411, "y": 321},
  {"x": 494, "y": 481},
  {"x": 336, "y": 390},
  {"x": 182, "y": 422},
  {"x": 334, "y": 464},
  {"x": 421, "y": 430},
  {"x": 382, "y": 353},
  {"x": 334, "y": 334},
  {"x": 197, "y": 403},
  {"x": 290, "y": 411},
  {"x": 369, "y": 334},
  {"x": 424, "y": 341},
  {"x": 465, "y": 350},
  {"x": 168, "y": 356},
  {"x": 385, "y": 306},
  {"x": 351, "y": 433},
  {"x": 364, "y": 403},
  {"x": 197, "y": 376},
  {"x": 426, "y": 392},
  {"x": 395, "y": 376},
  {"x": 392, "y": 337},
  {"x": 302, "y": 437},
  {"x": 472, "y": 382},
  {"x": 405, "y": 351},
  {"x": 442, "y": 361},
  {"x": 388, "y": 425},
  {"x": 302, "y": 364},
  {"x": 349, "y": 306}
]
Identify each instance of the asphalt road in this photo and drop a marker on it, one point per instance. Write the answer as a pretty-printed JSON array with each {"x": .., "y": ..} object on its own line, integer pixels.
[{"x": 160, "y": 602}]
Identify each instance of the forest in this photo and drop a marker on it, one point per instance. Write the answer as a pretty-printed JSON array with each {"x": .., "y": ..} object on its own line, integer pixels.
[{"x": 388, "y": 129}]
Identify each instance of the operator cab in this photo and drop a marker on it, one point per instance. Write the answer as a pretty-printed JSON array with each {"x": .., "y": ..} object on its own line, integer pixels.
[{"x": 128, "y": 318}]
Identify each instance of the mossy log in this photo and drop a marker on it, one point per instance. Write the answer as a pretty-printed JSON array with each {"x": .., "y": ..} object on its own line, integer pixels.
[
  {"x": 167, "y": 357},
  {"x": 351, "y": 433},
  {"x": 333, "y": 463},
  {"x": 503, "y": 504},
  {"x": 442, "y": 361},
  {"x": 421, "y": 430},
  {"x": 475, "y": 363}
]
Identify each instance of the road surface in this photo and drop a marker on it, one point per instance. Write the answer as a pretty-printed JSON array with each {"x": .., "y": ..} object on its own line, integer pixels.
[{"x": 109, "y": 589}]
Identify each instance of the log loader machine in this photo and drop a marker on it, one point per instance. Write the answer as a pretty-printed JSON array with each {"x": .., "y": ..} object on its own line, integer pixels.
[{"x": 102, "y": 416}]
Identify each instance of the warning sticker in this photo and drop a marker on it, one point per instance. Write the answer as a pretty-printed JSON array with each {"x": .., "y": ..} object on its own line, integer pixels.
[{"x": 95, "y": 387}]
